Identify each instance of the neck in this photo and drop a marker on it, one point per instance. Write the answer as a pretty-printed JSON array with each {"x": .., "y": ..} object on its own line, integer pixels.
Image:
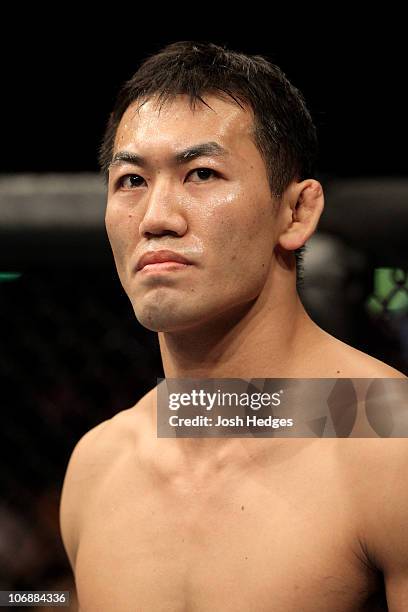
[
  {"x": 266, "y": 338},
  {"x": 271, "y": 337}
]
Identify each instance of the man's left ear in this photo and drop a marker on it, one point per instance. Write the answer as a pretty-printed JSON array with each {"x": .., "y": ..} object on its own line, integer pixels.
[{"x": 303, "y": 205}]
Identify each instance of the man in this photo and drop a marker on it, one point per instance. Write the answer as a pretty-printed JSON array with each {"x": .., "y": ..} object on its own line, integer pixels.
[{"x": 208, "y": 156}]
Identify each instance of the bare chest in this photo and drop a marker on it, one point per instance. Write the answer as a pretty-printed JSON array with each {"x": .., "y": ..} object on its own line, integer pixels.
[{"x": 263, "y": 541}]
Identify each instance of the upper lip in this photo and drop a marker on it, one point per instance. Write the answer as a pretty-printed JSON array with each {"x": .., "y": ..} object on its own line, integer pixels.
[{"x": 159, "y": 257}]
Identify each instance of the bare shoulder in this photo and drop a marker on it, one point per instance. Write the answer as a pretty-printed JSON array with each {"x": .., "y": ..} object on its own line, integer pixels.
[
  {"x": 343, "y": 360},
  {"x": 376, "y": 476},
  {"x": 93, "y": 456},
  {"x": 81, "y": 471},
  {"x": 368, "y": 476},
  {"x": 96, "y": 446}
]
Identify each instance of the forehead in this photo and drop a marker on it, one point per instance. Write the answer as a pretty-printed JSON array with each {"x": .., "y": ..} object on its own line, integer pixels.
[{"x": 176, "y": 125}]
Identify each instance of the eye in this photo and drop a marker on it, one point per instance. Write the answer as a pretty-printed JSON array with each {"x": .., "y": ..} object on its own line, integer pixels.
[
  {"x": 203, "y": 173},
  {"x": 130, "y": 181},
  {"x": 135, "y": 181}
]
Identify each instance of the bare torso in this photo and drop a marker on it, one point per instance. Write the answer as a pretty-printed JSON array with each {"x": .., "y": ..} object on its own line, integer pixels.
[{"x": 279, "y": 532}]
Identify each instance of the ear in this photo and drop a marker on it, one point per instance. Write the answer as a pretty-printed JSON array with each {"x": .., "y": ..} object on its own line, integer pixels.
[{"x": 303, "y": 204}]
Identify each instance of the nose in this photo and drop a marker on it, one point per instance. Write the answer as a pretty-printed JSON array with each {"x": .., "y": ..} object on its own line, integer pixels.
[{"x": 164, "y": 213}]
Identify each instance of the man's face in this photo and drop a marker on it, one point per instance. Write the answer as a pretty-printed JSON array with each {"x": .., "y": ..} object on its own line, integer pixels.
[{"x": 214, "y": 209}]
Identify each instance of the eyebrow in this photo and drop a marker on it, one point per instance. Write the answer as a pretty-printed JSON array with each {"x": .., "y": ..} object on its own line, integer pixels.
[{"x": 182, "y": 157}]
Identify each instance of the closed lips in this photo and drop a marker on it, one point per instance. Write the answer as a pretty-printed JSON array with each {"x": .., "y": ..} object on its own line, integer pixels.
[{"x": 159, "y": 257}]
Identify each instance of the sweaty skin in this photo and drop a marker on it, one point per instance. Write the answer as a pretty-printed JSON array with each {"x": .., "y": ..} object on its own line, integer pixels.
[{"x": 222, "y": 524}]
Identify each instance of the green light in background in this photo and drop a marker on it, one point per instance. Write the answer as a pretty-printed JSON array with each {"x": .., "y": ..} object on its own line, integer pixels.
[
  {"x": 390, "y": 291},
  {"x": 9, "y": 276}
]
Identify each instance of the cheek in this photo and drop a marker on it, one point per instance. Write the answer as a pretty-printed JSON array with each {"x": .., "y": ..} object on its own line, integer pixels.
[
  {"x": 243, "y": 231},
  {"x": 240, "y": 242},
  {"x": 120, "y": 228}
]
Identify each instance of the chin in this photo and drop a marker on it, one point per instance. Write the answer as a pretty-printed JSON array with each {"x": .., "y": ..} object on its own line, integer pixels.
[
  {"x": 177, "y": 316},
  {"x": 160, "y": 319}
]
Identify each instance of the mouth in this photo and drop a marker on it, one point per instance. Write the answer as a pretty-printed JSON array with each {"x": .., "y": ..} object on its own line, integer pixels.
[
  {"x": 161, "y": 261},
  {"x": 163, "y": 266}
]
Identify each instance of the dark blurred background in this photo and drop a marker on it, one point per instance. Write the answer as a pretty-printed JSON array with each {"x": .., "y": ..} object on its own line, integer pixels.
[{"x": 72, "y": 353}]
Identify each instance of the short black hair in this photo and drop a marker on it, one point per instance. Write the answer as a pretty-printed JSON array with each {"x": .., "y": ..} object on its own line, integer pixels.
[{"x": 284, "y": 131}]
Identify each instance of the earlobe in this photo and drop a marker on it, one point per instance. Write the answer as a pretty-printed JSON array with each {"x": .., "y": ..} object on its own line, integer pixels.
[{"x": 305, "y": 207}]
